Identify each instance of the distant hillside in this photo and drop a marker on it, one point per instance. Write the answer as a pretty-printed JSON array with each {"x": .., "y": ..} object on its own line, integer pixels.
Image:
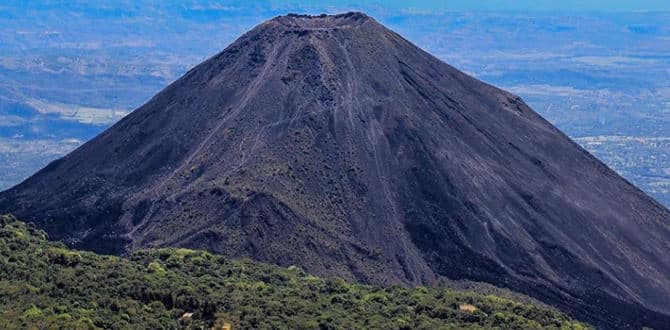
[{"x": 44, "y": 284}]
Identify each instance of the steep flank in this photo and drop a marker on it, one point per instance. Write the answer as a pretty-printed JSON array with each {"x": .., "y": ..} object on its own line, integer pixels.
[{"x": 332, "y": 143}]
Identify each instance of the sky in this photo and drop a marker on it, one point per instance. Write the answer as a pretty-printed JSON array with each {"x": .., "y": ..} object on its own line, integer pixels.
[
  {"x": 498, "y": 5},
  {"x": 427, "y": 6}
]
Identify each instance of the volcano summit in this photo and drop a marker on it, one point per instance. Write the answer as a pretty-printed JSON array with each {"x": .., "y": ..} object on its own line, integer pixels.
[{"x": 332, "y": 143}]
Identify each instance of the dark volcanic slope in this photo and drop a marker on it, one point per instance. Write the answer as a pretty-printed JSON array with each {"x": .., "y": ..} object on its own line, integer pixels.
[{"x": 332, "y": 143}]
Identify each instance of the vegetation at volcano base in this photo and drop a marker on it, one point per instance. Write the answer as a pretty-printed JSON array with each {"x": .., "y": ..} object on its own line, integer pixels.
[{"x": 45, "y": 285}]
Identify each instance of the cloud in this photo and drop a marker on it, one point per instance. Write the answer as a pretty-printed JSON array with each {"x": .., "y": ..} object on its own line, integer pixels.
[
  {"x": 12, "y": 121},
  {"x": 663, "y": 92},
  {"x": 213, "y": 6},
  {"x": 615, "y": 61},
  {"x": 82, "y": 114},
  {"x": 564, "y": 91},
  {"x": 37, "y": 147},
  {"x": 621, "y": 139}
]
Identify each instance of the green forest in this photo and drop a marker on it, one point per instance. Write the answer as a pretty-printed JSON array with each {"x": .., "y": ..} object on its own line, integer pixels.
[{"x": 45, "y": 285}]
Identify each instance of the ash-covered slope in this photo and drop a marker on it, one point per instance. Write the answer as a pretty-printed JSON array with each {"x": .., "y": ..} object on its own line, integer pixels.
[{"x": 332, "y": 143}]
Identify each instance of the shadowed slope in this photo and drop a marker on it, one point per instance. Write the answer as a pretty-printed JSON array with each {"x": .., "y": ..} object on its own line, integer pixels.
[{"x": 333, "y": 143}]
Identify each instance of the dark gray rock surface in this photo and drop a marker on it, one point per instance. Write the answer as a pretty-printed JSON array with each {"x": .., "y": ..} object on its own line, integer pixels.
[{"x": 332, "y": 143}]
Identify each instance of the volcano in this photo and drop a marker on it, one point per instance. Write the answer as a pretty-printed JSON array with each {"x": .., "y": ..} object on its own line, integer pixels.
[{"x": 332, "y": 143}]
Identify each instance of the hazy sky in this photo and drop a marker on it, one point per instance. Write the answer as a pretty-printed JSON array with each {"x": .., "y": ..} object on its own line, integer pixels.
[{"x": 497, "y": 5}]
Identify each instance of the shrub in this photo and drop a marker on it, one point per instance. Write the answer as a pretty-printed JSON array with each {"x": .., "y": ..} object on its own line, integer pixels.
[
  {"x": 63, "y": 257},
  {"x": 46, "y": 285}
]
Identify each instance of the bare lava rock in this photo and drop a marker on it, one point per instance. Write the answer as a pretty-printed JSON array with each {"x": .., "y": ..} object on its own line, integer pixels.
[{"x": 332, "y": 143}]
